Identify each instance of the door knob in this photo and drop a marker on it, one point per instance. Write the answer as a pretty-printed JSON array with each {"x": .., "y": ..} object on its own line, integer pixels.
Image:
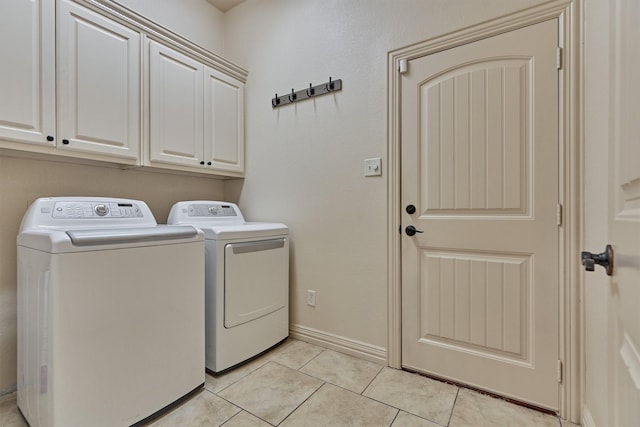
[
  {"x": 411, "y": 230},
  {"x": 604, "y": 259}
]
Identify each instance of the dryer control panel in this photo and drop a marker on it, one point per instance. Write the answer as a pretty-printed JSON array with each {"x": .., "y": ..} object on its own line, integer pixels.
[
  {"x": 205, "y": 212},
  {"x": 211, "y": 210}
]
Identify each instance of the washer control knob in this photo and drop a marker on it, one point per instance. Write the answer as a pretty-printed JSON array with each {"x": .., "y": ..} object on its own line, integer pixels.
[{"x": 101, "y": 209}]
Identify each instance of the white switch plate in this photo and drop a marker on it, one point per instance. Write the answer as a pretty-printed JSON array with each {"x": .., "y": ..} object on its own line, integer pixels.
[{"x": 373, "y": 167}]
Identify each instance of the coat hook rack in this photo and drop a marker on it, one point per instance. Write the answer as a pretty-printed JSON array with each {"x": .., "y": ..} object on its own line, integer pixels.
[{"x": 310, "y": 92}]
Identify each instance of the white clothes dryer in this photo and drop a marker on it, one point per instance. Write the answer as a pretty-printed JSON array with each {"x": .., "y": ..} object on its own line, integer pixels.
[
  {"x": 110, "y": 312},
  {"x": 246, "y": 281}
]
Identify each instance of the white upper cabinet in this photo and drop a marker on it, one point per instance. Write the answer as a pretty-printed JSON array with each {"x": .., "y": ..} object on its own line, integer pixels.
[
  {"x": 175, "y": 107},
  {"x": 72, "y": 84},
  {"x": 224, "y": 122},
  {"x": 99, "y": 103},
  {"x": 196, "y": 115},
  {"x": 27, "y": 74}
]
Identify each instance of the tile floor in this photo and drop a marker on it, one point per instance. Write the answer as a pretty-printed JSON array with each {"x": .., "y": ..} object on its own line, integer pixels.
[{"x": 299, "y": 384}]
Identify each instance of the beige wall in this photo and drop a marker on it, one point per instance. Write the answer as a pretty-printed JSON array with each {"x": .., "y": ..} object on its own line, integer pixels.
[
  {"x": 195, "y": 20},
  {"x": 305, "y": 161}
]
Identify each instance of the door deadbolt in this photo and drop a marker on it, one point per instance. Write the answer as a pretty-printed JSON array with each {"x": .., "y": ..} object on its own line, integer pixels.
[
  {"x": 604, "y": 259},
  {"x": 410, "y": 209}
]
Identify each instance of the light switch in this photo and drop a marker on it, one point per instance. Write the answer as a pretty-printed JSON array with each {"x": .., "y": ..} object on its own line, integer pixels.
[{"x": 372, "y": 167}]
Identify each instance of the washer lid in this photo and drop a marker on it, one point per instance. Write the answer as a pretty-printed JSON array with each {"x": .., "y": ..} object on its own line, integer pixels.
[
  {"x": 130, "y": 235},
  {"x": 95, "y": 239}
]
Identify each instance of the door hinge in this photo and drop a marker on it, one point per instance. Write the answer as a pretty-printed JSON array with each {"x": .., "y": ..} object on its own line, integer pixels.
[
  {"x": 403, "y": 66},
  {"x": 559, "y": 214},
  {"x": 559, "y": 58},
  {"x": 560, "y": 371}
]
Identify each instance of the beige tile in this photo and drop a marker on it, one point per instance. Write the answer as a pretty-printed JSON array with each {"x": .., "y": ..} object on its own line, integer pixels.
[
  {"x": 478, "y": 410},
  {"x": 216, "y": 383},
  {"x": 404, "y": 419},
  {"x": 271, "y": 392},
  {"x": 203, "y": 409},
  {"x": 566, "y": 423},
  {"x": 418, "y": 395},
  {"x": 10, "y": 415},
  {"x": 245, "y": 419},
  {"x": 293, "y": 353},
  {"x": 345, "y": 371},
  {"x": 334, "y": 406}
]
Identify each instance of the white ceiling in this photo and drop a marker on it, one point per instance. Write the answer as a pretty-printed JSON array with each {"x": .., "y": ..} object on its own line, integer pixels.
[{"x": 225, "y": 5}]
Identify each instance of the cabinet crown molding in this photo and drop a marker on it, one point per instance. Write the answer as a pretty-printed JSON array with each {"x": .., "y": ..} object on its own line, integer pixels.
[{"x": 157, "y": 32}]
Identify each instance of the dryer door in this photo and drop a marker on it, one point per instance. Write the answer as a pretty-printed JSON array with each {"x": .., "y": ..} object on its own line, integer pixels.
[{"x": 256, "y": 281}]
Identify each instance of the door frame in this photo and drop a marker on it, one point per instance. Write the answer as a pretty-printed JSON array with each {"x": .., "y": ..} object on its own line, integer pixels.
[{"x": 570, "y": 17}]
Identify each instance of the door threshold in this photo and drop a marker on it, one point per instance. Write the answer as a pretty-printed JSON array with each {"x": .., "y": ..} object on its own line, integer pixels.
[{"x": 484, "y": 392}]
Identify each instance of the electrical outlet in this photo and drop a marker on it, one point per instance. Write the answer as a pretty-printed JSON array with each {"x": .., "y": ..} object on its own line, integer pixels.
[{"x": 311, "y": 298}]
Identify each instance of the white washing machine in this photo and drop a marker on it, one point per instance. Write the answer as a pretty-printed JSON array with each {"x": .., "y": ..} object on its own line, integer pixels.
[
  {"x": 247, "y": 281},
  {"x": 110, "y": 312}
]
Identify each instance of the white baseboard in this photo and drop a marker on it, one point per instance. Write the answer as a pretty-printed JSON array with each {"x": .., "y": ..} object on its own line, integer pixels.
[
  {"x": 7, "y": 394},
  {"x": 587, "y": 418},
  {"x": 340, "y": 344}
]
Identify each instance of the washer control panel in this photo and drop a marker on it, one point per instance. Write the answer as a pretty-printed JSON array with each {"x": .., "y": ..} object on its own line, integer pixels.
[
  {"x": 95, "y": 210},
  {"x": 211, "y": 210}
]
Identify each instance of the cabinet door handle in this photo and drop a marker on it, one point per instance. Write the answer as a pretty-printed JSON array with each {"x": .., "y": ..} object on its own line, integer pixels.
[
  {"x": 50, "y": 138},
  {"x": 65, "y": 141},
  {"x": 202, "y": 162},
  {"x": 209, "y": 163}
]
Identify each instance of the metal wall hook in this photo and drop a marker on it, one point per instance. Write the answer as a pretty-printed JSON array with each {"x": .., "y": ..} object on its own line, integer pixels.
[
  {"x": 311, "y": 91},
  {"x": 275, "y": 101},
  {"x": 330, "y": 86},
  {"x": 293, "y": 97}
]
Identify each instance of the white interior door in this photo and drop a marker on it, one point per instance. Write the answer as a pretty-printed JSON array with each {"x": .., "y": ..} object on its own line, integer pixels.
[
  {"x": 480, "y": 164},
  {"x": 624, "y": 216}
]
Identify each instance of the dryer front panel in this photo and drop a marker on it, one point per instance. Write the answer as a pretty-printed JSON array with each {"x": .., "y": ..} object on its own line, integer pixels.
[{"x": 256, "y": 281}]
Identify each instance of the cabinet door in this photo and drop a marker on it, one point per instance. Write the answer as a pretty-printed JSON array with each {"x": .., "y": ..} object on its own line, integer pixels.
[
  {"x": 98, "y": 84},
  {"x": 27, "y": 74},
  {"x": 223, "y": 121},
  {"x": 175, "y": 110}
]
